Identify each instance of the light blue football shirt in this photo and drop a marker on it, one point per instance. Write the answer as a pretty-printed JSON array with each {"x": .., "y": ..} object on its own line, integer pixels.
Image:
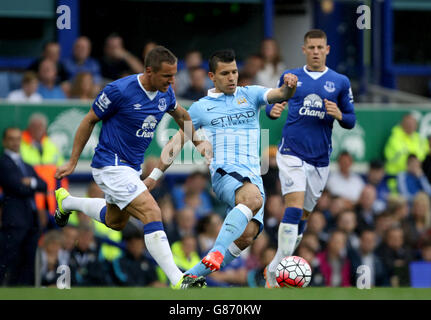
[{"x": 231, "y": 124}]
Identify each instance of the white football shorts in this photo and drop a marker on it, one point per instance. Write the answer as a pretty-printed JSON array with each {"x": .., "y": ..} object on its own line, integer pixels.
[
  {"x": 297, "y": 175},
  {"x": 121, "y": 184}
]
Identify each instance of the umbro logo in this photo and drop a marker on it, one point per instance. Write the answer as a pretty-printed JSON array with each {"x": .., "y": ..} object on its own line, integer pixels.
[{"x": 137, "y": 106}]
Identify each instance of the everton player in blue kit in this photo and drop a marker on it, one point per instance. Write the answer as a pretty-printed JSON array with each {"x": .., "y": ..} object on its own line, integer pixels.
[
  {"x": 229, "y": 117},
  {"x": 130, "y": 109},
  {"x": 322, "y": 96}
]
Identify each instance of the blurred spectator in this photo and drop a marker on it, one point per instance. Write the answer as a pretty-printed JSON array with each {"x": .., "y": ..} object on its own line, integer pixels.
[
  {"x": 207, "y": 229},
  {"x": 273, "y": 214},
  {"x": 185, "y": 221},
  {"x": 233, "y": 274},
  {"x": 252, "y": 65},
  {"x": 419, "y": 221},
  {"x": 48, "y": 88},
  {"x": 255, "y": 277},
  {"x": 80, "y": 61},
  {"x": 426, "y": 164},
  {"x": 51, "y": 51},
  {"x": 346, "y": 222},
  {"x": 50, "y": 257},
  {"x": 365, "y": 255},
  {"x": 384, "y": 222},
  {"x": 168, "y": 215},
  {"x": 273, "y": 67},
  {"x": 83, "y": 87},
  {"x": 323, "y": 204},
  {"x": 404, "y": 140},
  {"x": 193, "y": 59},
  {"x": 376, "y": 177},
  {"x": 413, "y": 180},
  {"x": 19, "y": 231},
  {"x": 396, "y": 256},
  {"x": 161, "y": 189},
  {"x": 306, "y": 252},
  {"x": 426, "y": 251},
  {"x": 185, "y": 252},
  {"x": 197, "y": 88},
  {"x": 271, "y": 181},
  {"x": 255, "y": 252},
  {"x": 334, "y": 264},
  {"x": 117, "y": 61},
  {"x": 312, "y": 240},
  {"x": 344, "y": 182},
  {"x": 194, "y": 188},
  {"x": 150, "y": 45},
  {"x": 399, "y": 210},
  {"x": 365, "y": 211},
  {"x": 28, "y": 91},
  {"x": 133, "y": 268},
  {"x": 316, "y": 224},
  {"x": 69, "y": 238},
  {"x": 110, "y": 239},
  {"x": 336, "y": 206},
  {"x": 86, "y": 268},
  {"x": 38, "y": 150}
]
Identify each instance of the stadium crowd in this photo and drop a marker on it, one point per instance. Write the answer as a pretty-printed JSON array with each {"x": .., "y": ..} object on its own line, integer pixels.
[
  {"x": 381, "y": 218},
  {"x": 81, "y": 76}
]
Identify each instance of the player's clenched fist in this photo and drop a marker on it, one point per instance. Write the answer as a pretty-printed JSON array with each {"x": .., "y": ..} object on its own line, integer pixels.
[
  {"x": 206, "y": 150},
  {"x": 333, "y": 110},
  {"x": 64, "y": 170},
  {"x": 290, "y": 80},
  {"x": 277, "y": 109}
]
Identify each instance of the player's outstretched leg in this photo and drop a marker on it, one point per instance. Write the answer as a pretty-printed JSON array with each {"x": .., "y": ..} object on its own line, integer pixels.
[
  {"x": 248, "y": 200},
  {"x": 145, "y": 208},
  {"x": 95, "y": 208}
]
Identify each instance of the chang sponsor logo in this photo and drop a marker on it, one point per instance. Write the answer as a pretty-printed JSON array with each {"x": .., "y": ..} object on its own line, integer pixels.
[
  {"x": 312, "y": 107},
  {"x": 148, "y": 127}
]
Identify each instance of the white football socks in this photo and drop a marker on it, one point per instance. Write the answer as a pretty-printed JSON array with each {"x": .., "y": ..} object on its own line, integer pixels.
[
  {"x": 89, "y": 206},
  {"x": 158, "y": 246},
  {"x": 287, "y": 242}
]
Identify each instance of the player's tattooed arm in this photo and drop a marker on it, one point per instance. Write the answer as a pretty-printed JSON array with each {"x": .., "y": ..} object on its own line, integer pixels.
[
  {"x": 285, "y": 91},
  {"x": 81, "y": 137}
]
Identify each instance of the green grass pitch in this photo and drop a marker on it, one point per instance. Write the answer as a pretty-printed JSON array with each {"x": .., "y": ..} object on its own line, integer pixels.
[{"x": 104, "y": 293}]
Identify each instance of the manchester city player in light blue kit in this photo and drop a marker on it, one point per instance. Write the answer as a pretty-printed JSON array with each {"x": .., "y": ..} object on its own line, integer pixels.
[
  {"x": 322, "y": 96},
  {"x": 229, "y": 117},
  {"x": 130, "y": 109}
]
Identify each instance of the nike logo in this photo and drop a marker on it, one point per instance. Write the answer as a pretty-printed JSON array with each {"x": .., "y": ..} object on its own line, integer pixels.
[{"x": 209, "y": 109}]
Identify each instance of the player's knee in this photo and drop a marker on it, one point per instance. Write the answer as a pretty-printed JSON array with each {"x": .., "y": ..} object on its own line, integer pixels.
[
  {"x": 254, "y": 202},
  {"x": 117, "y": 226},
  {"x": 153, "y": 213}
]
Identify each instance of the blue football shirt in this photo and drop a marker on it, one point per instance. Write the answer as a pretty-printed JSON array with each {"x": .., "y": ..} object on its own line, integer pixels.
[
  {"x": 307, "y": 132},
  {"x": 129, "y": 117},
  {"x": 231, "y": 124}
]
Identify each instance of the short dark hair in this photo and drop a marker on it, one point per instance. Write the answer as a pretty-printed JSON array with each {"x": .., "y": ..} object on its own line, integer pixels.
[
  {"x": 226, "y": 56},
  {"x": 315, "y": 34},
  {"x": 157, "y": 56},
  {"x": 5, "y": 131}
]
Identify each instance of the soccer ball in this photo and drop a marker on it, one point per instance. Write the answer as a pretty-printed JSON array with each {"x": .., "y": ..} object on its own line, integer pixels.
[{"x": 293, "y": 271}]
